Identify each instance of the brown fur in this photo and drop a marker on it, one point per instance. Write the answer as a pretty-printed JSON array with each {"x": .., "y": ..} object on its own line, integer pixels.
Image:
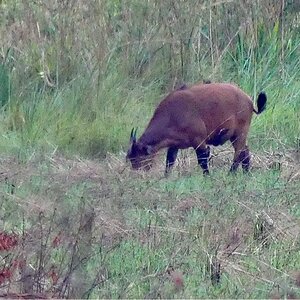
[{"x": 198, "y": 116}]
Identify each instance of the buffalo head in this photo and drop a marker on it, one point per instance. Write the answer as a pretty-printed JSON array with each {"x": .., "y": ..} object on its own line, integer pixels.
[{"x": 138, "y": 154}]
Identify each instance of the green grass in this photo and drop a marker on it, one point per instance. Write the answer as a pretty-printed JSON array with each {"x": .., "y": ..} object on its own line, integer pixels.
[
  {"x": 146, "y": 225},
  {"x": 74, "y": 79},
  {"x": 75, "y": 121}
]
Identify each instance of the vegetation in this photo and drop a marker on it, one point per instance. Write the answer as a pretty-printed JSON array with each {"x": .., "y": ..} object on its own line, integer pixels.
[{"x": 75, "y": 77}]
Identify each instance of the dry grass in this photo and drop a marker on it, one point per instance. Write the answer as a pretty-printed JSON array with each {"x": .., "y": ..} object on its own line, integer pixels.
[{"x": 58, "y": 197}]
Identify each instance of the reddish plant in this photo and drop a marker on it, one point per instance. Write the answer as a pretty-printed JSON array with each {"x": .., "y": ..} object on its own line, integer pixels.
[
  {"x": 57, "y": 240},
  {"x": 5, "y": 274},
  {"x": 7, "y": 241},
  {"x": 53, "y": 275}
]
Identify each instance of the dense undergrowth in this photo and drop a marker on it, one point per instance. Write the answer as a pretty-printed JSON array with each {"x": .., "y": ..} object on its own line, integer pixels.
[{"x": 75, "y": 77}]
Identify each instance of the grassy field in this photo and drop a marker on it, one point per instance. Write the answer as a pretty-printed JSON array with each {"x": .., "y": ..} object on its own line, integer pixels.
[
  {"x": 75, "y": 220},
  {"x": 115, "y": 233}
]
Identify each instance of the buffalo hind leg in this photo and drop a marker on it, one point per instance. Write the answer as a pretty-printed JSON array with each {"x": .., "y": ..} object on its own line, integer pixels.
[
  {"x": 202, "y": 157},
  {"x": 171, "y": 157},
  {"x": 245, "y": 159},
  {"x": 241, "y": 155}
]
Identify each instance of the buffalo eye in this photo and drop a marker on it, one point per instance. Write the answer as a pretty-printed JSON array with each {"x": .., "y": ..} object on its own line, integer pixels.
[{"x": 147, "y": 150}]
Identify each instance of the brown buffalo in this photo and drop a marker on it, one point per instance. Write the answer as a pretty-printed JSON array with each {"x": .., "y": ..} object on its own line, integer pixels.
[{"x": 198, "y": 116}]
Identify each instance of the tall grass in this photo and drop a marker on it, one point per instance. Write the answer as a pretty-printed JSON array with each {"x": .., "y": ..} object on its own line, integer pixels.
[{"x": 77, "y": 76}]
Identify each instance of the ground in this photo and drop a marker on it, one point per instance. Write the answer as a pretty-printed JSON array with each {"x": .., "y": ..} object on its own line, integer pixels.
[{"x": 138, "y": 234}]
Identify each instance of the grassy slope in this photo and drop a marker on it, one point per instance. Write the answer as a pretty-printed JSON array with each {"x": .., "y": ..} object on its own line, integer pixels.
[
  {"x": 146, "y": 226},
  {"x": 148, "y": 236}
]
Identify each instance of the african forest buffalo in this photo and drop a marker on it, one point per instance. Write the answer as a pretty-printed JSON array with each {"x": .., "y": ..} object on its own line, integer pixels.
[{"x": 198, "y": 116}]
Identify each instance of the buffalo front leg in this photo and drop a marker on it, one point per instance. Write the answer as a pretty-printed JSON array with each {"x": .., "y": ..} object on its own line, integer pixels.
[
  {"x": 171, "y": 157},
  {"x": 202, "y": 157}
]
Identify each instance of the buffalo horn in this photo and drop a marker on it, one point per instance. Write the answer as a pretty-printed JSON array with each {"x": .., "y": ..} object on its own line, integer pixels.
[{"x": 133, "y": 135}]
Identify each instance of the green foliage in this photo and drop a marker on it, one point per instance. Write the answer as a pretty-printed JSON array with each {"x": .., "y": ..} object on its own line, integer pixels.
[{"x": 4, "y": 86}]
